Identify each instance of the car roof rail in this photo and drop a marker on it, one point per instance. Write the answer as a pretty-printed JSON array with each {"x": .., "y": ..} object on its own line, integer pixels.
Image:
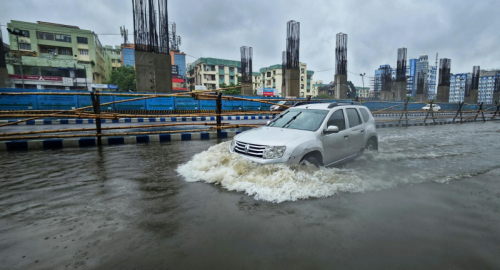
[{"x": 335, "y": 104}]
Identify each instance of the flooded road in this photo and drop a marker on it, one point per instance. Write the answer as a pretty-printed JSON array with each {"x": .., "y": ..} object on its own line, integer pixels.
[{"x": 430, "y": 199}]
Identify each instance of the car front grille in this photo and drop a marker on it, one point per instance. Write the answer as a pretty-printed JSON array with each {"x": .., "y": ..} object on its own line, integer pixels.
[{"x": 248, "y": 149}]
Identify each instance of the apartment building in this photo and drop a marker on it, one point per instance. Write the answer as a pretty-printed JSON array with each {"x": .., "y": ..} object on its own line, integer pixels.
[
  {"x": 272, "y": 77},
  {"x": 212, "y": 72},
  {"x": 56, "y": 56}
]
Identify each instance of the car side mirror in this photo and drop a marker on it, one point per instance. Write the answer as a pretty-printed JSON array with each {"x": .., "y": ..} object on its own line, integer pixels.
[{"x": 332, "y": 129}]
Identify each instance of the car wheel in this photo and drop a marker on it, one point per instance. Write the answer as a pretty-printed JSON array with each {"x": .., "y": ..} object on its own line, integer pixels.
[
  {"x": 309, "y": 160},
  {"x": 371, "y": 146}
]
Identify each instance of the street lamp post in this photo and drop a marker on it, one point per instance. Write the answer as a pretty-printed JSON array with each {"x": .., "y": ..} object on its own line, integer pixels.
[{"x": 17, "y": 33}]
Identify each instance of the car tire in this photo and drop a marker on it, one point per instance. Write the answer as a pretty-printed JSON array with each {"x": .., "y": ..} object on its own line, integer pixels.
[
  {"x": 311, "y": 160},
  {"x": 371, "y": 145}
]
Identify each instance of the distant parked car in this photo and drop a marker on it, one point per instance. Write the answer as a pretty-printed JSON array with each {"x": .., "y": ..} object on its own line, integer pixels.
[
  {"x": 435, "y": 107},
  {"x": 277, "y": 107}
]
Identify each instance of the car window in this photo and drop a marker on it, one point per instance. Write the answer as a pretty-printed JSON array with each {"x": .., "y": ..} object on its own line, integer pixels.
[
  {"x": 353, "y": 116},
  {"x": 365, "y": 114},
  {"x": 337, "y": 119},
  {"x": 302, "y": 119}
]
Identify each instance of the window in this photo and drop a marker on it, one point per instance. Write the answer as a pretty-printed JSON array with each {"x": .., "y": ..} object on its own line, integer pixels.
[
  {"x": 301, "y": 86},
  {"x": 337, "y": 119},
  {"x": 84, "y": 52},
  {"x": 27, "y": 70},
  {"x": 365, "y": 114},
  {"x": 63, "y": 38},
  {"x": 301, "y": 78},
  {"x": 45, "y": 35},
  {"x": 231, "y": 69},
  {"x": 231, "y": 77},
  {"x": 353, "y": 116},
  {"x": 50, "y": 71},
  {"x": 274, "y": 72},
  {"x": 268, "y": 74},
  {"x": 65, "y": 51},
  {"x": 82, "y": 40},
  {"x": 302, "y": 70},
  {"x": 25, "y": 46},
  {"x": 221, "y": 77},
  {"x": 24, "y": 33},
  {"x": 114, "y": 68},
  {"x": 239, "y": 70},
  {"x": 221, "y": 67},
  {"x": 44, "y": 49},
  {"x": 112, "y": 60}
]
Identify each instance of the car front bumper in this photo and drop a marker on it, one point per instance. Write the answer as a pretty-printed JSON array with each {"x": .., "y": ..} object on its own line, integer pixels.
[{"x": 285, "y": 159}]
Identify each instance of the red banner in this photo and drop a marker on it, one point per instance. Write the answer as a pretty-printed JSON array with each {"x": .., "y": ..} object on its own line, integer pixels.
[
  {"x": 36, "y": 78},
  {"x": 268, "y": 94},
  {"x": 178, "y": 80},
  {"x": 179, "y": 89}
]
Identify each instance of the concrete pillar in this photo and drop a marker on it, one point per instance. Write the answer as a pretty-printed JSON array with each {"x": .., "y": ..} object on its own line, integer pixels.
[
  {"x": 292, "y": 83},
  {"x": 399, "y": 89},
  {"x": 4, "y": 77},
  {"x": 474, "y": 96},
  {"x": 443, "y": 94},
  {"x": 246, "y": 89},
  {"x": 153, "y": 72},
  {"x": 421, "y": 98},
  {"x": 340, "y": 86},
  {"x": 496, "y": 97}
]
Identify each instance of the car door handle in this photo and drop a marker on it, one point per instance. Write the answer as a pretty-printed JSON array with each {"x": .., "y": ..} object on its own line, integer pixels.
[
  {"x": 362, "y": 131},
  {"x": 346, "y": 137}
]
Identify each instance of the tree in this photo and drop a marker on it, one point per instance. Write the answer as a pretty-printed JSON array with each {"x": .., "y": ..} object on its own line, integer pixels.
[
  {"x": 124, "y": 77},
  {"x": 233, "y": 91}
]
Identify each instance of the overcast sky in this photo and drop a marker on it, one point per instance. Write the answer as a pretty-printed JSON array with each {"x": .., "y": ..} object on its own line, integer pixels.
[{"x": 464, "y": 31}]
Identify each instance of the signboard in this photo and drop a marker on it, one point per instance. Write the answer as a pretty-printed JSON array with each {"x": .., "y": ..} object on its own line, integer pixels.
[
  {"x": 178, "y": 80},
  {"x": 179, "y": 89},
  {"x": 200, "y": 87},
  {"x": 260, "y": 91},
  {"x": 175, "y": 70},
  {"x": 106, "y": 86},
  {"x": 268, "y": 92},
  {"x": 36, "y": 78},
  {"x": 67, "y": 81}
]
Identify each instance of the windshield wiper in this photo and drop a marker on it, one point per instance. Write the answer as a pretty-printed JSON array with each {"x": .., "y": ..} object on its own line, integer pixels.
[
  {"x": 276, "y": 119},
  {"x": 291, "y": 120}
]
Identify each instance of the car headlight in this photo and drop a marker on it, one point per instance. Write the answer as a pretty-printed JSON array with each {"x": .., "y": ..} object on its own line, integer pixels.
[
  {"x": 233, "y": 144},
  {"x": 272, "y": 152}
]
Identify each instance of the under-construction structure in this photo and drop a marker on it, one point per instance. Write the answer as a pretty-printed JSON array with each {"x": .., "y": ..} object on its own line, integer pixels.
[
  {"x": 422, "y": 93},
  {"x": 400, "y": 85},
  {"x": 283, "y": 69},
  {"x": 385, "y": 83},
  {"x": 152, "y": 49},
  {"x": 474, "y": 86},
  {"x": 443, "y": 90},
  {"x": 292, "y": 72},
  {"x": 341, "y": 66},
  {"x": 496, "y": 89},
  {"x": 246, "y": 70},
  {"x": 4, "y": 75}
]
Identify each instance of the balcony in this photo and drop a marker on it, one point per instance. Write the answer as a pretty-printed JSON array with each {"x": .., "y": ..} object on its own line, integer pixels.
[{"x": 221, "y": 71}]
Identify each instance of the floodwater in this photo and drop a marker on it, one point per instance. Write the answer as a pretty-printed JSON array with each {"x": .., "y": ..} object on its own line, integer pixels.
[{"x": 430, "y": 199}]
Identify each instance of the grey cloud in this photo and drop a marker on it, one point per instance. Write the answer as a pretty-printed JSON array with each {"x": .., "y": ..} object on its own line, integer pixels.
[{"x": 465, "y": 31}]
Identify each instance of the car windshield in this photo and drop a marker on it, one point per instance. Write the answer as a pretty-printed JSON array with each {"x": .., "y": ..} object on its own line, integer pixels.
[{"x": 302, "y": 119}]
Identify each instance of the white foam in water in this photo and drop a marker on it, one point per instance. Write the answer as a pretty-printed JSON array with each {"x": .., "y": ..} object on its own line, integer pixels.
[{"x": 275, "y": 183}]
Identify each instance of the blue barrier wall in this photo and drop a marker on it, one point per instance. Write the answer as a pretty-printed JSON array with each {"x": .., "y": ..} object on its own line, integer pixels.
[
  {"x": 86, "y": 100},
  {"x": 186, "y": 104},
  {"x": 27, "y": 102},
  {"x": 68, "y": 102},
  {"x": 162, "y": 104}
]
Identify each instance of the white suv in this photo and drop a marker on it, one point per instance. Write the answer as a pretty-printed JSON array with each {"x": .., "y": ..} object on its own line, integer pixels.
[{"x": 321, "y": 134}]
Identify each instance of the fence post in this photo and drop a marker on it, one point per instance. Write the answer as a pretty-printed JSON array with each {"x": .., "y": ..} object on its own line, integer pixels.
[
  {"x": 96, "y": 104},
  {"x": 497, "y": 111},
  {"x": 218, "y": 111},
  {"x": 405, "y": 112},
  {"x": 460, "y": 104},
  {"x": 480, "y": 110},
  {"x": 431, "y": 110}
]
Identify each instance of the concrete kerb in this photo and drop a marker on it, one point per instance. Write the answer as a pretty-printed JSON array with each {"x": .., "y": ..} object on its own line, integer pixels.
[
  {"x": 140, "y": 120},
  {"x": 156, "y": 138}
]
